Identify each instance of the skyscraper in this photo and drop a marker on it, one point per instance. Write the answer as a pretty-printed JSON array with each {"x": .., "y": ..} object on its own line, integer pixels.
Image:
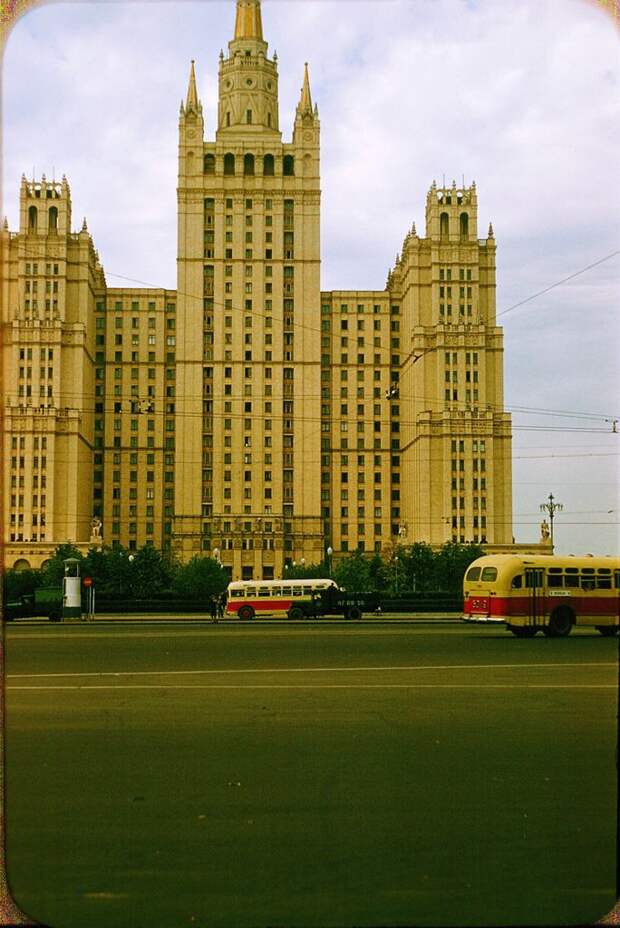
[{"x": 249, "y": 413}]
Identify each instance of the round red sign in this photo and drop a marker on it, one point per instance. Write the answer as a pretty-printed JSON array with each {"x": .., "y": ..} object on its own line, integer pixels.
[{"x": 87, "y": 581}]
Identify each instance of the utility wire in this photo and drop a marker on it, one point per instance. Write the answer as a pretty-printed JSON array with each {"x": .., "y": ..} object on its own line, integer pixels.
[{"x": 558, "y": 283}]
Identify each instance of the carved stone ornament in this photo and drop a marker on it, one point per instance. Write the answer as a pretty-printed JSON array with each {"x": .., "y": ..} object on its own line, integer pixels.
[{"x": 191, "y": 133}]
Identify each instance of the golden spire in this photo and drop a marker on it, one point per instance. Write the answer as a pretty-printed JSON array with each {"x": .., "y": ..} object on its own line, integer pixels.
[
  {"x": 305, "y": 104},
  {"x": 192, "y": 95},
  {"x": 248, "y": 23}
]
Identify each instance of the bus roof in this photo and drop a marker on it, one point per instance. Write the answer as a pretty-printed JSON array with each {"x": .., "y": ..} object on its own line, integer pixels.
[
  {"x": 241, "y": 584},
  {"x": 547, "y": 560}
]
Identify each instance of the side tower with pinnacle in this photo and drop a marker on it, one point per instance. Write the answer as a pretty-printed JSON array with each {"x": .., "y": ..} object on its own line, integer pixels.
[
  {"x": 455, "y": 434},
  {"x": 248, "y": 350},
  {"x": 50, "y": 277}
]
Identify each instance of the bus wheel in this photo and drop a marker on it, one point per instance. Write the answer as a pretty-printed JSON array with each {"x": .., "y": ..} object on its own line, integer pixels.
[
  {"x": 523, "y": 631},
  {"x": 354, "y": 614},
  {"x": 246, "y": 613},
  {"x": 560, "y": 623},
  {"x": 295, "y": 613},
  {"x": 607, "y": 631}
]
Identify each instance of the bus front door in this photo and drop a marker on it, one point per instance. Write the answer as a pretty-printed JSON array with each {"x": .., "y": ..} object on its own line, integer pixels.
[{"x": 534, "y": 584}]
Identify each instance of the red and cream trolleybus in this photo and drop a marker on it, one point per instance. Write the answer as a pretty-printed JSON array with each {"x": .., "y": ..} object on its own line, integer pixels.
[
  {"x": 293, "y": 599},
  {"x": 548, "y": 593}
]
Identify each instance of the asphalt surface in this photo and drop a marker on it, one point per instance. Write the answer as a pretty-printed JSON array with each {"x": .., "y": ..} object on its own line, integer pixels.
[{"x": 320, "y": 774}]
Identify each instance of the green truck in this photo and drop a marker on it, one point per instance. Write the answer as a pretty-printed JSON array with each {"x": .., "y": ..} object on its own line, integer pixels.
[{"x": 46, "y": 601}]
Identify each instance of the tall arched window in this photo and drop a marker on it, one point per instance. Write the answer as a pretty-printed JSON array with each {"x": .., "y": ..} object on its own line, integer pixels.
[
  {"x": 464, "y": 226},
  {"x": 268, "y": 165},
  {"x": 52, "y": 219},
  {"x": 444, "y": 227},
  {"x": 248, "y": 164},
  {"x": 288, "y": 165},
  {"x": 229, "y": 163},
  {"x": 228, "y": 119},
  {"x": 209, "y": 164},
  {"x": 33, "y": 219}
]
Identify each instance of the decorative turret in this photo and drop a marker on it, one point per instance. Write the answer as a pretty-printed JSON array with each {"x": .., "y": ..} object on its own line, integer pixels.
[
  {"x": 191, "y": 129},
  {"x": 248, "y": 80},
  {"x": 192, "y": 104},
  {"x": 304, "y": 107},
  {"x": 452, "y": 213},
  {"x": 45, "y": 207},
  {"x": 306, "y": 130}
]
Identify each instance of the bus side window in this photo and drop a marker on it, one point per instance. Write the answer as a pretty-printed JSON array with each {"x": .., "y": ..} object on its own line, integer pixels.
[
  {"x": 473, "y": 573},
  {"x": 603, "y": 578},
  {"x": 571, "y": 581},
  {"x": 517, "y": 582},
  {"x": 555, "y": 580},
  {"x": 534, "y": 578}
]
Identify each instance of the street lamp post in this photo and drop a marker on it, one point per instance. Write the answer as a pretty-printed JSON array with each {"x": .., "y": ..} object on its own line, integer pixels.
[
  {"x": 216, "y": 556},
  {"x": 329, "y": 552},
  {"x": 396, "y": 571},
  {"x": 551, "y": 508}
]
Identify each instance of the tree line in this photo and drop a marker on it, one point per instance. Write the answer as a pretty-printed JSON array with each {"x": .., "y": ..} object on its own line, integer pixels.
[{"x": 118, "y": 573}]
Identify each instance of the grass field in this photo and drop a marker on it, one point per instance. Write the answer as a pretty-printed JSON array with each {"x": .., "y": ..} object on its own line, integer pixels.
[{"x": 326, "y": 775}]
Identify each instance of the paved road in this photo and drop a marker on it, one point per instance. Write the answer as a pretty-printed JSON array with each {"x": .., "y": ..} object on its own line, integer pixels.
[{"x": 321, "y": 774}]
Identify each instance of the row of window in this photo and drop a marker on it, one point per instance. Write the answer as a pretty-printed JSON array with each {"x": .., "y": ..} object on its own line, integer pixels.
[
  {"x": 33, "y": 219},
  {"x": 32, "y": 286},
  {"x": 136, "y": 306},
  {"x": 471, "y": 357},
  {"x": 32, "y": 269},
  {"x": 360, "y": 308},
  {"x": 18, "y": 500},
  {"x": 249, "y": 162},
  {"x": 444, "y": 226},
  {"x": 445, "y": 273},
  {"x": 50, "y": 305}
]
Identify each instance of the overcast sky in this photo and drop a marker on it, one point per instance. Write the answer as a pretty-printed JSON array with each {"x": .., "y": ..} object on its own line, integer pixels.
[{"x": 520, "y": 95}]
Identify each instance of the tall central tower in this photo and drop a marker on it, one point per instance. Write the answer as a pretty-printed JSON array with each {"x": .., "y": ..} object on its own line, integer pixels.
[{"x": 247, "y": 390}]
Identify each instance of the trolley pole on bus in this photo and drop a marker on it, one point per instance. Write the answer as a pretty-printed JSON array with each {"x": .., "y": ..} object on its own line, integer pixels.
[{"x": 551, "y": 507}]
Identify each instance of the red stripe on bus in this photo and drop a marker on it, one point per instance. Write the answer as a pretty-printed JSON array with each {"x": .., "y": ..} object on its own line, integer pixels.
[
  {"x": 263, "y": 605},
  {"x": 498, "y": 606}
]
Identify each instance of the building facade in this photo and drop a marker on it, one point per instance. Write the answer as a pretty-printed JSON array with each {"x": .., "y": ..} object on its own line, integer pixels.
[{"x": 248, "y": 414}]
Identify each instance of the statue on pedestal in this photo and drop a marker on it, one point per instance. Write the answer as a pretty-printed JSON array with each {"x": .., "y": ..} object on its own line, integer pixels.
[{"x": 95, "y": 532}]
